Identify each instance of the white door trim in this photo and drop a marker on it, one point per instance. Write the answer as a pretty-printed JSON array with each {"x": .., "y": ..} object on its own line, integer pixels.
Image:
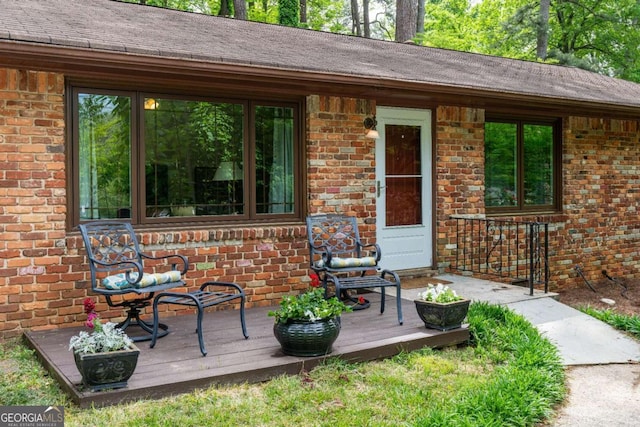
[{"x": 407, "y": 247}]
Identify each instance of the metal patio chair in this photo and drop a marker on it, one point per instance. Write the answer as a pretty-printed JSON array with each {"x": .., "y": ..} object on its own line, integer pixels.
[
  {"x": 117, "y": 269},
  {"x": 338, "y": 256}
]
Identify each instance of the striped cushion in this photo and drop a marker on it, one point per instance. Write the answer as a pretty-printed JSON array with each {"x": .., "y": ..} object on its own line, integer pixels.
[
  {"x": 367, "y": 261},
  {"x": 119, "y": 281}
]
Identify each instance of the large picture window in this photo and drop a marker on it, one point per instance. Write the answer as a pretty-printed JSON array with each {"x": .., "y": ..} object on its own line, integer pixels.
[
  {"x": 153, "y": 158},
  {"x": 522, "y": 166}
]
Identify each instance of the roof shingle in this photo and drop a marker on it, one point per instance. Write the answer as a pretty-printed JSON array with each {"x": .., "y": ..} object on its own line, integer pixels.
[{"x": 112, "y": 26}]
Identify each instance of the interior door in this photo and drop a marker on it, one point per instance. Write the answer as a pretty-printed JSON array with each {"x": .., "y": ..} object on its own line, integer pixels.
[{"x": 404, "y": 187}]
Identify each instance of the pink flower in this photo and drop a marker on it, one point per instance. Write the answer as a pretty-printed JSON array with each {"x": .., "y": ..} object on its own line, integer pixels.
[{"x": 90, "y": 318}]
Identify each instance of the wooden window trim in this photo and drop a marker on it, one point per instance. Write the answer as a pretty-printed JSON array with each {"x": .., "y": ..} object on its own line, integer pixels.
[
  {"x": 520, "y": 121},
  {"x": 138, "y": 218}
]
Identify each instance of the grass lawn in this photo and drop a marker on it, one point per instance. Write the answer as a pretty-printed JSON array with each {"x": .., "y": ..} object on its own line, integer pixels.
[{"x": 508, "y": 376}]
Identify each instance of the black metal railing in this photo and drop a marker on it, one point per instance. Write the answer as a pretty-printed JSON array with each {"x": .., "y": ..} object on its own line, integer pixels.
[{"x": 517, "y": 250}]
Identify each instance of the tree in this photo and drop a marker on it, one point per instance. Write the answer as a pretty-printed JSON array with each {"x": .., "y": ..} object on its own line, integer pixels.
[
  {"x": 420, "y": 17},
  {"x": 355, "y": 18},
  {"x": 288, "y": 13},
  {"x": 543, "y": 30},
  {"x": 366, "y": 23},
  {"x": 240, "y": 9},
  {"x": 406, "y": 18},
  {"x": 303, "y": 12}
]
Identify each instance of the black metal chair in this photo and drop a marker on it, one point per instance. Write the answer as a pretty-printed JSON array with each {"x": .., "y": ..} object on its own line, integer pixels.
[
  {"x": 117, "y": 266},
  {"x": 338, "y": 256}
]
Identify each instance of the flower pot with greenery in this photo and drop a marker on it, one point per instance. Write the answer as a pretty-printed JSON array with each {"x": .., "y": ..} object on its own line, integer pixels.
[
  {"x": 441, "y": 308},
  {"x": 106, "y": 357},
  {"x": 308, "y": 324}
]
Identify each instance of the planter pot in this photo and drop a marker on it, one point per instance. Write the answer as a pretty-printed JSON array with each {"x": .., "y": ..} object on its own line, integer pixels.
[
  {"x": 442, "y": 316},
  {"x": 304, "y": 338},
  {"x": 107, "y": 370}
]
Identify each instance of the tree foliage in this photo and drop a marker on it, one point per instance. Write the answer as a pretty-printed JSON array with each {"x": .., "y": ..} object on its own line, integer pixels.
[
  {"x": 599, "y": 35},
  {"x": 289, "y": 13}
]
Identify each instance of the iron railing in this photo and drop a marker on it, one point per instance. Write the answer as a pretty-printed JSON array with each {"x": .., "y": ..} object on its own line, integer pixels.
[{"x": 516, "y": 250}]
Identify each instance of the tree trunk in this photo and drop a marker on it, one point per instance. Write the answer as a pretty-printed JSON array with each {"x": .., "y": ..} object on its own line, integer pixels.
[
  {"x": 420, "y": 17},
  {"x": 240, "y": 9},
  {"x": 224, "y": 8},
  {"x": 303, "y": 12},
  {"x": 366, "y": 22},
  {"x": 406, "y": 12},
  {"x": 543, "y": 30},
  {"x": 355, "y": 17}
]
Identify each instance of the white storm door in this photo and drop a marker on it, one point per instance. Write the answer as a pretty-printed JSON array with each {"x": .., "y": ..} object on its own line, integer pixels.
[{"x": 404, "y": 187}]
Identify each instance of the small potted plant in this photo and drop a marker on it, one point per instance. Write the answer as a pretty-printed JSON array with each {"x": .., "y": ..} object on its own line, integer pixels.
[
  {"x": 308, "y": 324},
  {"x": 440, "y": 307},
  {"x": 106, "y": 357}
]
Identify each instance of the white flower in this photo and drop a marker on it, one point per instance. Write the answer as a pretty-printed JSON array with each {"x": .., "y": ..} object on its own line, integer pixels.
[{"x": 439, "y": 293}]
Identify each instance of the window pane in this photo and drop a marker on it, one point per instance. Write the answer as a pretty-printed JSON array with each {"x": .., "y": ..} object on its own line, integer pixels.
[
  {"x": 403, "y": 170},
  {"x": 193, "y": 158},
  {"x": 274, "y": 160},
  {"x": 501, "y": 164},
  {"x": 538, "y": 165},
  {"x": 104, "y": 131}
]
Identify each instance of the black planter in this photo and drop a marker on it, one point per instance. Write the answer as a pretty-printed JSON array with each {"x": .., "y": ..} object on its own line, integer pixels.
[
  {"x": 107, "y": 370},
  {"x": 304, "y": 338},
  {"x": 442, "y": 316}
]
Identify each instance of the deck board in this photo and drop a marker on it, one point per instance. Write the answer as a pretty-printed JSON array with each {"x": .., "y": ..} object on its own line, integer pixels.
[{"x": 176, "y": 365}]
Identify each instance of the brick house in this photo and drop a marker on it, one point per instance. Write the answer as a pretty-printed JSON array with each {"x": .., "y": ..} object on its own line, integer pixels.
[{"x": 216, "y": 137}]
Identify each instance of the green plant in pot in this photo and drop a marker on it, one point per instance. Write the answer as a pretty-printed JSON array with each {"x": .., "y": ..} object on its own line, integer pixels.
[
  {"x": 440, "y": 307},
  {"x": 308, "y": 324},
  {"x": 105, "y": 357}
]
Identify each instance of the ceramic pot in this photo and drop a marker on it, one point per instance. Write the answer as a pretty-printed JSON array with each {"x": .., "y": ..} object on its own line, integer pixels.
[
  {"x": 442, "y": 316},
  {"x": 107, "y": 370},
  {"x": 304, "y": 338}
]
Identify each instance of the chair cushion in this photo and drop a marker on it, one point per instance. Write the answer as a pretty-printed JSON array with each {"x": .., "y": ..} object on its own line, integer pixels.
[
  {"x": 336, "y": 262},
  {"x": 119, "y": 281}
]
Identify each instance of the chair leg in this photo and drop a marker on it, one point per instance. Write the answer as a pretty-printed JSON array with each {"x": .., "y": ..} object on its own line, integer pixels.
[
  {"x": 200, "y": 338},
  {"x": 156, "y": 324},
  {"x": 242, "y": 321},
  {"x": 396, "y": 279}
]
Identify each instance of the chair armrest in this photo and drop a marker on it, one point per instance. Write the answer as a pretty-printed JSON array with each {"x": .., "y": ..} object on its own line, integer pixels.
[
  {"x": 376, "y": 249},
  {"x": 180, "y": 259}
]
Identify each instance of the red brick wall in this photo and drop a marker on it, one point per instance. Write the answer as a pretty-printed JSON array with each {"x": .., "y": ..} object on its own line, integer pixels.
[
  {"x": 44, "y": 277},
  {"x": 32, "y": 199},
  {"x": 599, "y": 228},
  {"x": 341, "y": 170},
  {"x": 459, "y": 168},
  {"x": 601, "y": 179}
]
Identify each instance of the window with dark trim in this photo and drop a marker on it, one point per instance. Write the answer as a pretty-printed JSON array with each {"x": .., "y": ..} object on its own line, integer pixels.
[
  {"x": 522, "y": 166},
  {"x": 154, "y": 158}
]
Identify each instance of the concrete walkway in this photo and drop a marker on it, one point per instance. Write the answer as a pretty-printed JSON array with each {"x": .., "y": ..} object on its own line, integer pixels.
[{"x": 603, "y": 369}]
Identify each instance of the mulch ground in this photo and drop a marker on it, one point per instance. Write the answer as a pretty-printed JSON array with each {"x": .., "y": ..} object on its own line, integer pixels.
[{"x": 625, "y": 294}]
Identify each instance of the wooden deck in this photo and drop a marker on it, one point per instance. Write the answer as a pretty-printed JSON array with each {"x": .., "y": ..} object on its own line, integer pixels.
[{"x": 176, "y": 365}]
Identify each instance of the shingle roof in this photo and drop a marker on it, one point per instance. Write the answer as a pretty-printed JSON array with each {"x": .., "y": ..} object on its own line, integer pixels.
[{"x": 132, "y": 29}]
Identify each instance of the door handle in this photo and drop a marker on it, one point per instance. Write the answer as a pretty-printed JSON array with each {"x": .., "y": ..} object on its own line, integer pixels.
[{"x": 378, "y": 188}]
